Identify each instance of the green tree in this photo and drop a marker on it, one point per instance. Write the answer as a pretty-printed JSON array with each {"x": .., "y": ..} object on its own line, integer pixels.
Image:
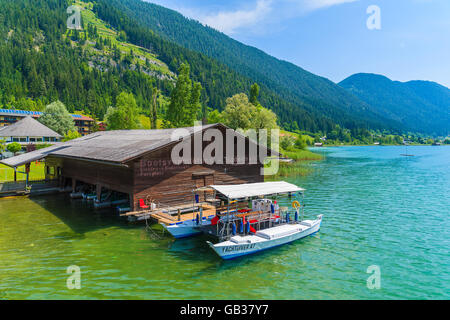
[
  {"x": 239, "y": 112},
  {"x": 215, "y": 117},
  {"x": 300, "y": 143},
  {"x": 287, "y": 142},
  {"x": 71, "y": 135},
  {"x": 14, "y": 147},
  {"x": 184, "y": 100},
  {"x": 2, "y": 145},
  {"x": 154, "y": 109},
  {"x": 264, "y": 119},
  {"x": 254, "y": 94},
  {"x": 57, "y": 118},
  {"x": 125, "y": 116}
]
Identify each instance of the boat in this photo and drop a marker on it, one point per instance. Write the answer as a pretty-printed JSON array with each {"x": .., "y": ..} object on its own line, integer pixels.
[
  {"x": 406, "y": 143},
  {"x": 187, "y": 228},
  {"x": 210, "y": 217},
  {"x": 265, "y": 225},
  {"x": 265, "y": 239},
  {"x": 237, "y": 215},
  {"x": 89, "y": 196},
  {"x": 180, "y": 221}
]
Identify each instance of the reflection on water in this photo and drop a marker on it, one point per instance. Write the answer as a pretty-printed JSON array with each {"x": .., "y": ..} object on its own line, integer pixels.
[{"x": 380, "y": 209}]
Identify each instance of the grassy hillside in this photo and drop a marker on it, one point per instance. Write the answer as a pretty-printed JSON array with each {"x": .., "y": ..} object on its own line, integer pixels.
[{"x": 139, "y": 57}]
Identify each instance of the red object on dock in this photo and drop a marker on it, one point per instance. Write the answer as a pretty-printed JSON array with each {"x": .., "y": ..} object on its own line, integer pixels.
[
  {"x": 214, "y": 220},
  {"x": 142, "y": 204}
]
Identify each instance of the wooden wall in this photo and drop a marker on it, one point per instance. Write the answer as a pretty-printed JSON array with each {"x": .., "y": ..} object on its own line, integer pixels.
[
  {"x": 157, "y": 178},
  {"x": 117, "y": 178}
]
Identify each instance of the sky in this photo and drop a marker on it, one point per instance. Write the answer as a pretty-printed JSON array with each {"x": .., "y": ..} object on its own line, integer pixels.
[{"x": 401, "y": 39}]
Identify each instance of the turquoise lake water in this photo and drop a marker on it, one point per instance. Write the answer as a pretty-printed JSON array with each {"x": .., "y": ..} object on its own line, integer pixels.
[{"x": 379, "y": 209}]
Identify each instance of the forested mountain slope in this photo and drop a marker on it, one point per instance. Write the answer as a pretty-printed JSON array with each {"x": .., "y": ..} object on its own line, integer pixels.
[
  {"x": 287, "y": 89},
  {"x": 117, "y": 50},
  {"x": 421, "y": 106},
  {"x": 40, "y": 62}
]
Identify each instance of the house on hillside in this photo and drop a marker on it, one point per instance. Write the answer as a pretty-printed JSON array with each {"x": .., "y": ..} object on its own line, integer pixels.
[{"x": 139, "y": 164}]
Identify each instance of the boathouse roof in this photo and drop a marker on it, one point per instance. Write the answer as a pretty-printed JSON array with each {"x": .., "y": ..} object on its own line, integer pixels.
[
  {"x": 115, "y": 147},
  {"x": 28, "y": 127}
]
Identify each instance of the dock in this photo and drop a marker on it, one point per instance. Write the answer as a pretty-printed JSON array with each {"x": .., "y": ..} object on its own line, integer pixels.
[{"x": 173, "y": 214}]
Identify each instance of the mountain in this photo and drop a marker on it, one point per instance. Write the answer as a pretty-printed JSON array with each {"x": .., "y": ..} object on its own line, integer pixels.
[
  {"x": 41, "y": 61},
  {"x": 121, "y": 49},
  {"x": 421, "y": 106},
  {"x": 296, "y": 95}
]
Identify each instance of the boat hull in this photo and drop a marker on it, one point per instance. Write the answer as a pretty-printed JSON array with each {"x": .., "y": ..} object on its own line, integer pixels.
[
  {"x": 187, "y": 229},
  {"x": 227, "y": 250}
]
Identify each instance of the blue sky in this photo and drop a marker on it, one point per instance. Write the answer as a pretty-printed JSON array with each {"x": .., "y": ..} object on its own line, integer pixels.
[{"x": 331, "y": 38}]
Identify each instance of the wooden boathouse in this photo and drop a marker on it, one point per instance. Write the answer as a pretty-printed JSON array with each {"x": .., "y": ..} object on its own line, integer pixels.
[{"x": 138, "y": 164}]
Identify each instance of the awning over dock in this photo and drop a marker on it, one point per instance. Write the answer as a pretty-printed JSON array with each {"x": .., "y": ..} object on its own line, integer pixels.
[
  {"x": 239, "y": 191},
  {"x": 25, "y": 158}
]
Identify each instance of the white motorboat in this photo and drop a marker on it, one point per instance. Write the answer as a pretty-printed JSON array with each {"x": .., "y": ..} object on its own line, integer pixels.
[{"x": 265, "y": 239}]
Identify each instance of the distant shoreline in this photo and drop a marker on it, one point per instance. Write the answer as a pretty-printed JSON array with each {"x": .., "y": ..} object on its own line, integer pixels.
[{"x": 381, "y": 145}]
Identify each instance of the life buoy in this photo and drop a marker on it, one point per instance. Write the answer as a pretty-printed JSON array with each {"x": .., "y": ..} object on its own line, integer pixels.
[{"x": 296, "y": 204}]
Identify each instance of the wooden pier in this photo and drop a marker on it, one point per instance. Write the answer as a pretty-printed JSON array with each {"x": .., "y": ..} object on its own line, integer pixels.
[{"x": 173, "y": 214}]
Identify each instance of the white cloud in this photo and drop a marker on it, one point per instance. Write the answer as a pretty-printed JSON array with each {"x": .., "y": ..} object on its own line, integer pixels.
[
  {"x": 229, "y": 21},
  {"x": 257, "y": 15},
  {"x": 263, "y": 11}
]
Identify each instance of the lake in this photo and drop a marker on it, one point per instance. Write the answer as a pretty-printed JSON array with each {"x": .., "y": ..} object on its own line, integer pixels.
[{"x": 380, "y": 209}]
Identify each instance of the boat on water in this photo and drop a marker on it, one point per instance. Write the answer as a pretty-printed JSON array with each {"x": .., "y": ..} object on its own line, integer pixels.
[
  {"x": 219, "y": 209},
  {"x": 265, "y": 225},
  {"x": 245, "y": 218},
  {"x": 241, "y": 245},
  {"x": 191, "y": 227}
]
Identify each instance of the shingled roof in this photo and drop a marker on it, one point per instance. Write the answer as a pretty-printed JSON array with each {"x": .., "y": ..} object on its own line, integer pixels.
[
  {"x": 108, "y": 146},
  {"x": 115, "y": 147},
  {"x": 28, "y": 127}
]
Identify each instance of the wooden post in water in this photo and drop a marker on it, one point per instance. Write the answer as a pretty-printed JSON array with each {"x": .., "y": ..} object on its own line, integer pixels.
[
  {"x": 179, "y": 214},
  {"x": 99, "y": 192},
  {"x": 27, "y": 170}
]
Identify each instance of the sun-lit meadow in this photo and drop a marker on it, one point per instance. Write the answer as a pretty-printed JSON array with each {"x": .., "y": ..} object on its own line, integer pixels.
[{"x": 36, "y": 172}]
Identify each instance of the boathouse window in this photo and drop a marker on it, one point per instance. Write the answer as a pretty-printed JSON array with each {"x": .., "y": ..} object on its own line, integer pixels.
[{"x": 51, "y": 171}]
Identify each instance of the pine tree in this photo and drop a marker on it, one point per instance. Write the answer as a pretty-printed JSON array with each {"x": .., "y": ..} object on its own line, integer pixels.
[
  {"x": 254, "y": 94},
  {"x": 180, "y": 98},
  {"x": 154, "y": 109}
]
